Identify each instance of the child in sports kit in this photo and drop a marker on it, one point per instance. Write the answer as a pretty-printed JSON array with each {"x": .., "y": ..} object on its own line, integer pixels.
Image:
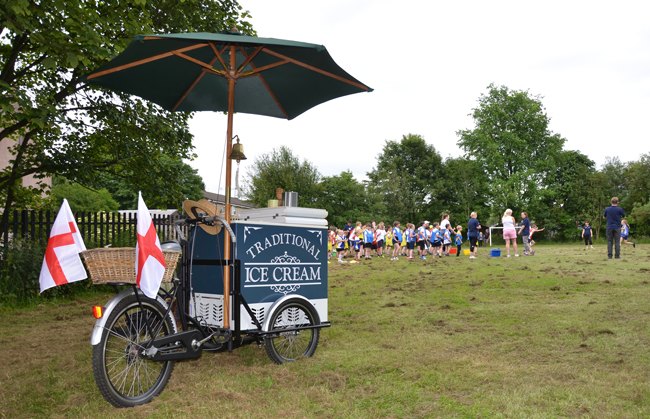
[
  {"x": 380, "y": 236},
  {"x": 410, "y": 240},
  {"x": 586, "y": 235},
  {"x": 531, "y": 242},
  {"x": 331, "y": 241},
  {"x": 353, "y": 242},
  {"x": 458, "y": 239},
  {"x": 397, "y": 240},
  {"x": 404, "y": 250},
  {"x": 446, "y": 239},
  {"x": 341, "y": 239},
  {"x": 421, "y": 239},
  {"x": 368, "y": 240},
  {"x": 389, "y": 241},
  {"x": 436, "y": 240},
  {"x": 625, "y": 233}
]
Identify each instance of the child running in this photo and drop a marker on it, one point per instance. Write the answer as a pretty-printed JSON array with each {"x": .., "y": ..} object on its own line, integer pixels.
[
  {"x": 625, "y": 233},
  {"x": 531, "y": 242}
]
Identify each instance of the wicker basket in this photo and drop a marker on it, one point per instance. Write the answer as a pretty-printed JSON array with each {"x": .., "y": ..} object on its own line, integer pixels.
[{"x": 117, "y": 265}]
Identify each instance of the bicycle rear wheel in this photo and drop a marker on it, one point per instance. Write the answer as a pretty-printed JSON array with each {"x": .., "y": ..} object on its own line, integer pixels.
[
  {"x": 291, "y": 344},
  {"x": 123, "y": 375}
]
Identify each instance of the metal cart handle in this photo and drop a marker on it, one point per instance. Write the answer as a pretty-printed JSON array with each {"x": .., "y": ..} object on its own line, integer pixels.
[{"x": 209, "y": 220}]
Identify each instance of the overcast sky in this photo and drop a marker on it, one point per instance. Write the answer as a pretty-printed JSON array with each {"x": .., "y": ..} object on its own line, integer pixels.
[{"x": 429, "y": 62}]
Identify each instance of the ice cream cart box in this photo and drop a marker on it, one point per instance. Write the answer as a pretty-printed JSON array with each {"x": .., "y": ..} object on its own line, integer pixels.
[{"x": 280, "y": 251}]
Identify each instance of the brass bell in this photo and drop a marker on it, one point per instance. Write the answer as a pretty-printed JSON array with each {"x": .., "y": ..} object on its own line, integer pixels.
[{"x": 237, "y": 152}]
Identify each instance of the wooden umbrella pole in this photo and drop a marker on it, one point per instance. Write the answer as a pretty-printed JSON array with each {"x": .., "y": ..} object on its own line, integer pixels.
[{"x": 226, "y": 245}]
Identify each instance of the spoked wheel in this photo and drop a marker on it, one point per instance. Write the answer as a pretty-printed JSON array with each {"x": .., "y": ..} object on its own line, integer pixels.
[
  {"x": 123, "y": 375},
  {"x": 291, "y": 345}
]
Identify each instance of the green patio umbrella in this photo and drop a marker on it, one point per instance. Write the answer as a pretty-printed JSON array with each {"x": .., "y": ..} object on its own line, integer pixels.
[{"x": 227, "y": 72}]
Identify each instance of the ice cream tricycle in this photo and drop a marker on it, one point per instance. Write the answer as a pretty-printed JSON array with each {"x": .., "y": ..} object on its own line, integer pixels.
[{"x": 276, "y": 297}]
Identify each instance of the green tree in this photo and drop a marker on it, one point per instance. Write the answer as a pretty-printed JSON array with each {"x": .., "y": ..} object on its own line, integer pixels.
[
  {"x": 637, "y": 180},
  {"x": 281, "y": 169},
  {"x": 465, "y": 188},
  {"x": 614, "y": 171},
  {"x": 568, "y": 197},
  {"x": 640, "y": 220},
  {"x": 407, "y": 179},
  {"x": 512, "y": 143},
  {"x": 82, "y": 198},
  {"x": 165, "y": 186},
  {"x": 53, "y": 122},
  {"x": 344, "y": 198}
]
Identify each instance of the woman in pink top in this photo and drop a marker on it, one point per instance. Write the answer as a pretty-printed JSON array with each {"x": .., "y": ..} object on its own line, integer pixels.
[{"x": 509, "y": 231}]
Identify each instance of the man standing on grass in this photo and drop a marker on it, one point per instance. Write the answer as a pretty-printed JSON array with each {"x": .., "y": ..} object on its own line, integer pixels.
[
  {"x": 614, "y": 214},
  {"x": 473, "y": 227}
]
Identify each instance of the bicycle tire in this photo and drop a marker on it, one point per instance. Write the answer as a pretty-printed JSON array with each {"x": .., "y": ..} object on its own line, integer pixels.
[
  {"x": 292, "y": 345},
  {"x": 124, "y": 377}
]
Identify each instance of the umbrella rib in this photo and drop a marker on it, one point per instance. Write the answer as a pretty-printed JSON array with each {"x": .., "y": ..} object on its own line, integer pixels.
[
  {"x": 144, "y": 61},
  {"x": 317, "y": 70},
  {"x": 189, "y": 89},
  {"x": 217, "y": 54},
  {"x": 206, "y": 66},
  {"x": 249, "y": 58},
  {"x": 258, "y": 72}
]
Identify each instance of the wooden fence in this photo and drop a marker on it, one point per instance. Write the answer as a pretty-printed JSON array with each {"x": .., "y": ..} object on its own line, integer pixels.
[{"x": 98, "y": 229}]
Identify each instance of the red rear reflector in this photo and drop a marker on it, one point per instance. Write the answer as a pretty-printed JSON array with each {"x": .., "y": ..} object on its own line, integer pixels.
[{"x": 98, "y": 312}]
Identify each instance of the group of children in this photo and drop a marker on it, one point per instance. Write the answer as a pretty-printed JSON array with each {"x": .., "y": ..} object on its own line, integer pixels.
[
  {"x": 587, "y": 234},
  {"x": 361, "y": 240}
]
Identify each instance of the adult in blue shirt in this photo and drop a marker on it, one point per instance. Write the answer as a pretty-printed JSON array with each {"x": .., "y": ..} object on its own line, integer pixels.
[
  {"x": 613, "y": 215},
  {"x": 473, "y": 227}
]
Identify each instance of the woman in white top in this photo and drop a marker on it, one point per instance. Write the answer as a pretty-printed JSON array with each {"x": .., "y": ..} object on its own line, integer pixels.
[
  {"x": 509, "y": 231},
  {"x": 445, "y": 222}
]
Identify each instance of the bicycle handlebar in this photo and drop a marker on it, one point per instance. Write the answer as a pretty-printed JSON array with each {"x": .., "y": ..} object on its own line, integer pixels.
[{"x": 205, "y": 220}]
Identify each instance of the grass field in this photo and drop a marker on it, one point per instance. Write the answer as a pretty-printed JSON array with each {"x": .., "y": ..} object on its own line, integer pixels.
[{"x": 565, "y": 333}]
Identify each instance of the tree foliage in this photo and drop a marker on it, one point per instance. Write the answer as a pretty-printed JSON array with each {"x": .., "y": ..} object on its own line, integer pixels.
[
  {"x": 54, "y": 123},
  {"x": 512, "y": 160},
  {"x": 344, "y": 198},
  {"x": 465, "y": 188},
  {"x": 81, "y": 198},
  {"x": 281, "y": 169},
  {"x": 513, "y": 145},
  {"x": 407, "y": 178},
  {"x": 166, "y": 185}
]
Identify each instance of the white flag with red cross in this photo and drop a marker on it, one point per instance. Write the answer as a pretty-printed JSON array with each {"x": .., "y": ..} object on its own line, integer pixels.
[
  {"x": 149, "y": 259},
  {"x": 62, "y": 264}
]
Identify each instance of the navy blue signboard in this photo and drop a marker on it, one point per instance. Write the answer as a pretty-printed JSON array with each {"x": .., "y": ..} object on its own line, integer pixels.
[{"x": 275, "y": 259}]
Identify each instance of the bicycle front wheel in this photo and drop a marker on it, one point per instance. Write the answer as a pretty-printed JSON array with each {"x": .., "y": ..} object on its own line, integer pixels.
[{"x": 123, "y": 375}]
